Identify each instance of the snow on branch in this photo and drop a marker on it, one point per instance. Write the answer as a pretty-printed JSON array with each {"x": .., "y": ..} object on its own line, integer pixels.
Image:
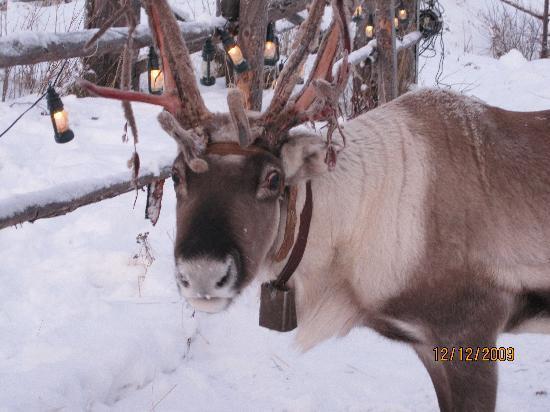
[
  {"x": 30, "y": 47},
  {"x": 363, "y": 53},
  {"x": 67, "y": 197},
  {"x": 36, "y": 47}
]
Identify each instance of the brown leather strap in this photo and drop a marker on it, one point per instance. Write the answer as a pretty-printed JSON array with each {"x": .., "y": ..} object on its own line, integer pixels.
[
  {"x": 229, "y": 148},
  {"x": 290, "y": 226},
  {"x": 300, "y": 245}
]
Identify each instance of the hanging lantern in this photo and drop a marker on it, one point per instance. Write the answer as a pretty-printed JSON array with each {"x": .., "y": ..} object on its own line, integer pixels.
[
  {"x": 271, "y": 49},
  {"x": 234, "y": 52},
  {"x": 357, "y": 14},
  {"x": 369, "y": 28},
  {"x": 208, "y": 54},
  {"x": 396, "y": 23},
  {"x": 155, "y": 76},
  {"x": 430, "y": 22},
  {"x": 60, "y": 118},
  {"x": 402, "y": 13}
]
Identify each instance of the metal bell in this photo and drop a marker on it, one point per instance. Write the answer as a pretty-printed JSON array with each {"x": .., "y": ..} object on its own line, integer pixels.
[{"x": 277, "y": 308}]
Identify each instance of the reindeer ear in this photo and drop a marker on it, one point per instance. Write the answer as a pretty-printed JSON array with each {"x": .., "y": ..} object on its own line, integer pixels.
[{"x": 303, "y": 158}]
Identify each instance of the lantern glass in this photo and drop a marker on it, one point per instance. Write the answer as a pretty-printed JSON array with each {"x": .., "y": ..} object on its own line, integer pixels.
[
  {"x": 61, "y": 119},
  {"x": 369, "y": 31},
  {"x": 396, "y": 22},
  {"x": 369, "y": 28},
  {"x": 357, "y": 14},
  {"x": 270, "y": 50},
  {"x": 236, "y": 55},
  {"x": 156, "y": 81},
  {"x": 206, "y": 68}
]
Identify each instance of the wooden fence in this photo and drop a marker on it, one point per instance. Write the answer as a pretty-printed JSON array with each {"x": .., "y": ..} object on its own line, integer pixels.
[{"x": 32, "y": 48}]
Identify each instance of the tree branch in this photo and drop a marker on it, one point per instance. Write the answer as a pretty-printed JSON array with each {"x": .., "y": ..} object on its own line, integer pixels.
[
  {"x": 523, "y": 9},
  {"x": 363, "y": 53},
  {"x": 31, "y": 48}
]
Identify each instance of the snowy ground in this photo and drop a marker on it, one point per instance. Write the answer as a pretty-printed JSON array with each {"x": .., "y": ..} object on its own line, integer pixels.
[{"x": 85, "y": 326}]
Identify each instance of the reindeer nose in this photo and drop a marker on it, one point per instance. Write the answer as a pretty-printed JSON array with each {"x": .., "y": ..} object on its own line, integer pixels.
[{"x": 207, "y": 278}]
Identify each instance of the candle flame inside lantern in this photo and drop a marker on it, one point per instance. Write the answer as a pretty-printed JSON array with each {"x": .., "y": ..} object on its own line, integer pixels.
[
  {"x": 157, "y": 80},
  {"x": 61, "y": 119},
  {"x": 269, "y": 50},
  {"x": 236, "y": 55}
]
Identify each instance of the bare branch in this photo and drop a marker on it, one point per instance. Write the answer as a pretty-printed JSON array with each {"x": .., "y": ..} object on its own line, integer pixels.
[{"x": 523, "y": 9}]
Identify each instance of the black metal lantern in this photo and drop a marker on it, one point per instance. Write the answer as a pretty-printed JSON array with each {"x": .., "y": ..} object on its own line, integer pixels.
[
  {"x": 60, "y": 118},
  {"x": 155, "y": 77},
  {"x": 208, "y": 54},
  {"x": 357, "y": 14},
  {"x": 271, "y": 48},
  {"x": 430, "y": 22},
  {"x": 402, "y": 13},
  {"x": 369, "y": 28},
  {"x": 234, "y": 52}
]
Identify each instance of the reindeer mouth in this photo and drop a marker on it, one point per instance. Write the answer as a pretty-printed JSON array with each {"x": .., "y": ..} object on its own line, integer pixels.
[{"x": 210, "y": 305}]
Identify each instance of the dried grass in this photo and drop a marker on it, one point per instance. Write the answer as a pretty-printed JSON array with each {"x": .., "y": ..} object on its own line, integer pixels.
[
  {"x": 510, "y": 29},
  {"x": 19, "y": 81}
]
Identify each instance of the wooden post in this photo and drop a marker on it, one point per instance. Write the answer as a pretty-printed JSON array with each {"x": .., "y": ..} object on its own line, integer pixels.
[
  {"x": 544, "y": 52},
  {"x": 364, "y": 95},
  {"x": 387, "y": 56},
  {"x": 406, "y": 58},
  {"x": 252, "y": 32}
]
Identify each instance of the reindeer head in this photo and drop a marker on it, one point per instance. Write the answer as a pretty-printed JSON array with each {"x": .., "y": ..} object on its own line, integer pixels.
[{"x": 233, "y": 169}]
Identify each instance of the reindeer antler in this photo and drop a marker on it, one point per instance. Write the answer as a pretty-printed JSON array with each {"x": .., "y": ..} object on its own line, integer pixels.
[
  {"x": 190, "y": 121},
  {"x": 318, "y": 99}
]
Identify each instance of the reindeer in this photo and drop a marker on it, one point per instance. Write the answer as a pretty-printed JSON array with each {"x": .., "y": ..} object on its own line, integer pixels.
[{"x": 433, "y": 228}]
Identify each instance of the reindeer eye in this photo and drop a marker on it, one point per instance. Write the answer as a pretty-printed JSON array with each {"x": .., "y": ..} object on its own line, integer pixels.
[
  {"x": 176, "y": 179},
  {"x": 273, "y": 180}
]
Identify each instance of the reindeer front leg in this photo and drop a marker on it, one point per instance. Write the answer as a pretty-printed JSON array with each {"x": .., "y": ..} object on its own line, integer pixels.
[
  {"x": 446, "y": 316},
  {"x": 461, "y": 386}
]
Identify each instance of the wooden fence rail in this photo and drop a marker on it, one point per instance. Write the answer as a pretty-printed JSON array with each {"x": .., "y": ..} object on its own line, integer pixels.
[{"x": 33, "y": 47}]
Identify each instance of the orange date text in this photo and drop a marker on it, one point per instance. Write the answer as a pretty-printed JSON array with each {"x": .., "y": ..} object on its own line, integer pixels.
[{"x": 473, "y": 354}]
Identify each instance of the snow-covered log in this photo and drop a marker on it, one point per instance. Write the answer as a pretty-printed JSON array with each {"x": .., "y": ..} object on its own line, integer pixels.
[
  {"x": 31, "y": 47},
  {"x": 68, "y": 197},
  {"x": 35, "y": 47}
]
